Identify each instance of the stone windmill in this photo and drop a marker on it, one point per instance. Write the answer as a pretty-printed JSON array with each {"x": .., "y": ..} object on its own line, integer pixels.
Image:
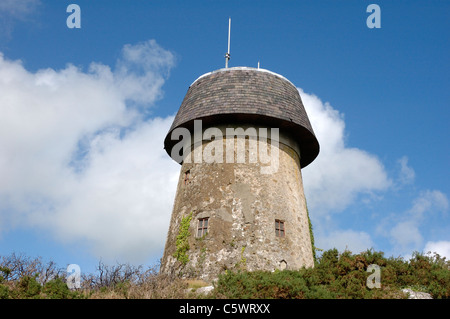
[{"x": 242, "y": 137}]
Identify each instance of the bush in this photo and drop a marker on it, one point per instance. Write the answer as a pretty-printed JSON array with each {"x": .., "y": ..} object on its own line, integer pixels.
[
  {"x": 334, "y": 276},
  {"x": 261, "y": 285},
  {"x": 27, "y": 288},
  {"x": 341, "y": 276},
  {"x": 57, "y": 289}
]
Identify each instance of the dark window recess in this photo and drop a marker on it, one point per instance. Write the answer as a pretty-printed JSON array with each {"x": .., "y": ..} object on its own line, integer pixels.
[
  {"x": 186, "y": 177},
  {"x": 279, "y": 228},
  {"x": 202, "y": 228}
]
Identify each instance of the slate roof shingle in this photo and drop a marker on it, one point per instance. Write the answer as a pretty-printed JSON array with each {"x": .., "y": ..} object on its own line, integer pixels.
[{"x": 247, "y": 95}]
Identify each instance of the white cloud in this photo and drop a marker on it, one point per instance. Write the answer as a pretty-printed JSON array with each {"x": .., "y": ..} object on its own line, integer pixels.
[
  {"x": 428, "y": 201},
  {"x": 405, "y": 230},
  {"x": 407, "y": 174},
  {"x": 122, "y": 200},
  {"x": 339, "y": 173},
  {"x": 406, "y": 235},
  {"x": 14, "y": 10},
  {"x": 337, "y": 176},
  {"x": 440, "y": 247},
  {"x": 141, "y": 69},
  {"x": 354, "y": 241},
  {"x": 78, "y": 160}
]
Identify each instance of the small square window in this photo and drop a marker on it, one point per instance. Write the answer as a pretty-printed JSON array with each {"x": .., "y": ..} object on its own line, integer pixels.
[
  {"x": 279, "y": 228},
  {"x": 202, "y": 228}
]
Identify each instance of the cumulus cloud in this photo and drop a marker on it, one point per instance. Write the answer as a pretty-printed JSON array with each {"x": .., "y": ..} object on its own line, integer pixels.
[
  {"x": 405, "y": 235},
  {"x": 79, "y": 160},
  {"x": 428, "y": 201},
  {"x": 440, "y": 247},
  {"x": 142, "y": 70},
  {"x": 337, "y": 177},
  {"x": 405, "y": 230},
  {"x": 354, "y": 241},
  {"x": 340, "y": 173},
  {"x": 122, "y": 200}
]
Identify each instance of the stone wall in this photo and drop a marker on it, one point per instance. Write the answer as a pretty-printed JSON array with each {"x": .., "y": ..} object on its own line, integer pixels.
[{"x": 241, "y": 205}]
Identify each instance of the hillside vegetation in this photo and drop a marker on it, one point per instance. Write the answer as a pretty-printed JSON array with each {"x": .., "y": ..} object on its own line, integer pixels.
[{"x": 335, "y": 276}]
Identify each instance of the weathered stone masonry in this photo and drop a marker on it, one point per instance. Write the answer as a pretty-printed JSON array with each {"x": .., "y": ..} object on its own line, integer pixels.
[{"x": 243, "y": 208}]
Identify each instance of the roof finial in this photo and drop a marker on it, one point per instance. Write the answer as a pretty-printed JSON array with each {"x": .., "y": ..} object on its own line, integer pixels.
[{"x": 227, "y": 55}]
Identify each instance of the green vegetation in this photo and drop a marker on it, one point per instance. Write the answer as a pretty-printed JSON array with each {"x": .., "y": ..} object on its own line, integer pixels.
[
  {"x": 182, "y": 244},
  {"x": 311, "y": 235},
  {"x": 339, "y": 276},
  {"x": 334, "y": 276},
  {"x": 29, "y": 288},
  {"x": 242, "y": 264}
]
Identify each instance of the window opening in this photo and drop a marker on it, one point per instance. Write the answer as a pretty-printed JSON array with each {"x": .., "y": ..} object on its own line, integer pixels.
[
  {"x": 202, "y": 228},
  {"x": 186, "y": 176},
  {"x": 279, "y": 228}
]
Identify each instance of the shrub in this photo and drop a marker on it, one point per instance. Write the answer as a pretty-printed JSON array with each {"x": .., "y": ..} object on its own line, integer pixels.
[
  {"x": 335, "y": 276},
  {"x": 28, "y": 288},
  {"x": 57, "y": 289},
  {"x": 341, "y": 276}
]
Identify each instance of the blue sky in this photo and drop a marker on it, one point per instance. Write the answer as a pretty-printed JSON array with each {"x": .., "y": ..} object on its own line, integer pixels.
[{"x": 84, "y": 112}]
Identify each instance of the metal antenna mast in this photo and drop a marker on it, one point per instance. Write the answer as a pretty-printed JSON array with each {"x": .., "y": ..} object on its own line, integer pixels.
[{"x": 227, "y": 55}]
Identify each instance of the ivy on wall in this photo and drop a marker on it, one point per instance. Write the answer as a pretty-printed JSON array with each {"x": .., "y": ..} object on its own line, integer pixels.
[{"x": 182, "y": 243}]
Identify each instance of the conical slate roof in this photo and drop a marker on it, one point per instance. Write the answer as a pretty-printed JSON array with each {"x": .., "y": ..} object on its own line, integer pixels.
[{"x": 247, "y": 95}]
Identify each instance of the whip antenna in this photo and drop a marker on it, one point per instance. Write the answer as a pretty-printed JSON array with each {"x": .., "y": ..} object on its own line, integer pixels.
[{"x": 227, "y": 55}]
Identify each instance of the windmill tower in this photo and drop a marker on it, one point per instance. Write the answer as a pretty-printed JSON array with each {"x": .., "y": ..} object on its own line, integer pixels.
[{"x": 241, "y": 136}]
